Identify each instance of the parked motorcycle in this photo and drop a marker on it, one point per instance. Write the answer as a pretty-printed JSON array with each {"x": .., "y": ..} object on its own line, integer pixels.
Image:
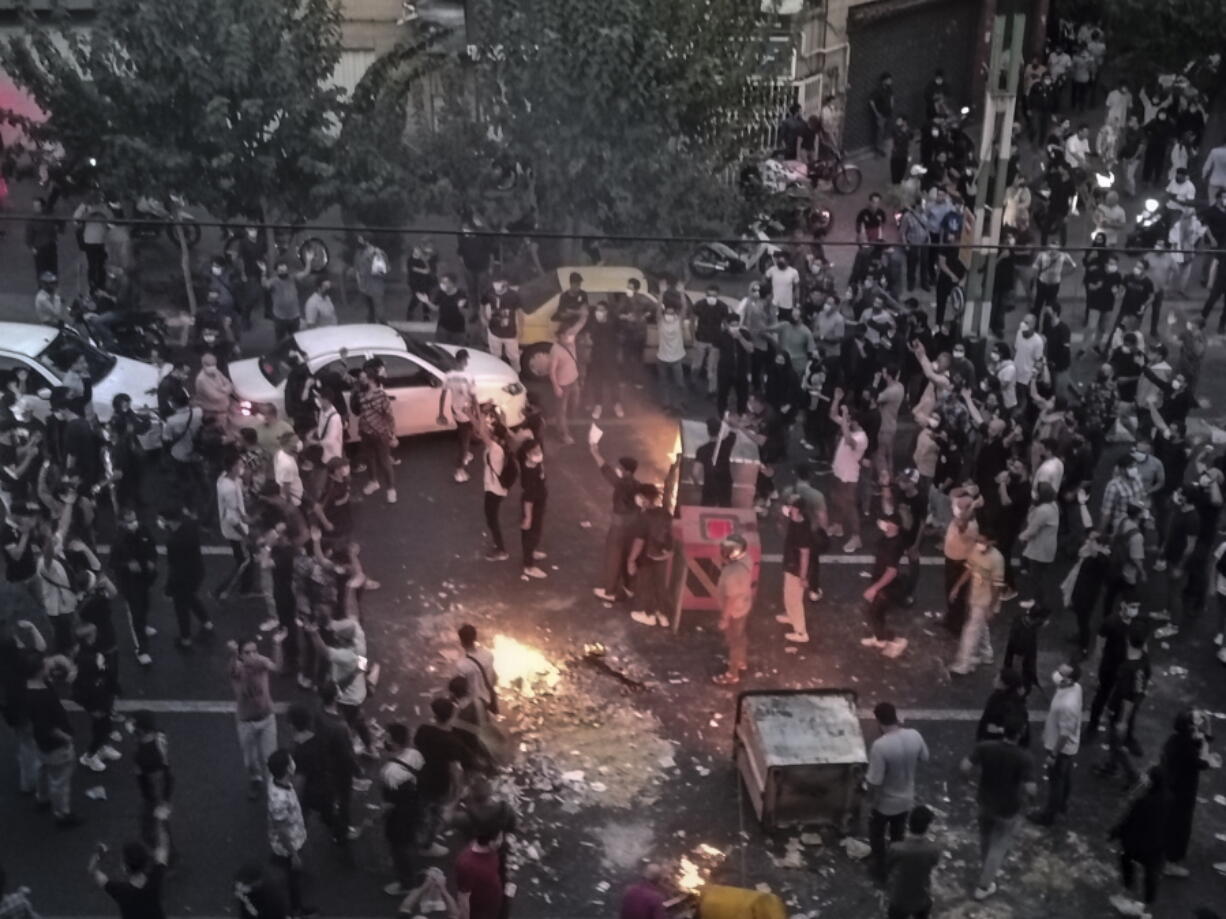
[
  {"x": 311, "y": 250},
  {"x": 157, "y": 219},
  {"x": 755, "y": 253}
]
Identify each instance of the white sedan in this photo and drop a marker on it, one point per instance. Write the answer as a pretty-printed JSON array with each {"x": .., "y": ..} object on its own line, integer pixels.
[
  {"x": 47, "y": 353},
  {"x": 415, "y": 372}
]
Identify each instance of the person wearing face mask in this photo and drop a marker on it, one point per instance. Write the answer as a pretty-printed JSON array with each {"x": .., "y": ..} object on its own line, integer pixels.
[
  {"x": 830, "y": 326},
  {"x": 284, "y": 301},
  {"x": 734, "y": 591},
  {"x": 221, "y": 280},
  {"x": 1114, "y": 633},
  {"x": 603, "y": 383},
  {"x": 319, "y": 310},
  {"x": 1028, "y": 348},
  {"x": 564, "y": 373},
  {"x": 214, "y": 391},
  {"x": 534, "y": 494},
  {"x": 502, "y": 312},
  {"x": 883, "y": 592},
  {"x": 370, "y": 269},
  {"x": 1104, "y": 286},
  {"x": 134, "y": 562},
  {"x": 670, "y": 358},
  {"x": 735, "y": 364},
  {"x": 984, "y": 572},
  {"x": 1004, "y": 371},
  {"x": 709, "y": 315},
  {"x": 1124, "y": 489},
  {"x": 452, "y": 306},
  {"x": 1062, "y": 741}
]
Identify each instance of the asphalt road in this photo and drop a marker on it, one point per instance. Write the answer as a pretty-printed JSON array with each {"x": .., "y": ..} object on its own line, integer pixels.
[{"x": 427, "y": 552}]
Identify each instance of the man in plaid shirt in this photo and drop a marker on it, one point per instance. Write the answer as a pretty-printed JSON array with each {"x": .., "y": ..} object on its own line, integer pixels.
[
  {"x": 1124, "y": 488},
  {"x": 378, "y": 431}
]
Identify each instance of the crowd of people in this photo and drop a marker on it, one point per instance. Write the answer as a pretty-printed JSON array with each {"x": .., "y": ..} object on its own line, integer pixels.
[{"x": 862, "y": 401}]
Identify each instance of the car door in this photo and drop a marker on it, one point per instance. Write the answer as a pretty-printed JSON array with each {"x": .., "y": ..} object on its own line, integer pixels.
[{"x": 414, "y": 388}]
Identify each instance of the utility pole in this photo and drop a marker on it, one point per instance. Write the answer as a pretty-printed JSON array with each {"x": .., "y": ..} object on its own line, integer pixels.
[{"x": 995, "y": 147}]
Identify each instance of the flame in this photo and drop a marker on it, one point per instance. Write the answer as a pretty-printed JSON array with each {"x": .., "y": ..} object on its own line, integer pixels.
[
  {"x": 523, "y": 665},
  {"x": 710, "y": 851},
  {"x": 690, "y": 878}
]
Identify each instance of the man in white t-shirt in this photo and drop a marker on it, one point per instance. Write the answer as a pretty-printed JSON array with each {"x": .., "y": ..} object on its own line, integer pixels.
[
  {"x": 785, "y": 283},
  {"x": 1028, "y": 348},
  {"x": 853, "y": 443},
  {"x": 476, "y": 664},
  {"x": 1077, "y": 148},
  {"x": 1181, "y": 189},
  {"x": 329, "y": 429},
  {"x": 461, "y": 386},
  {"x": 285, "y": 468}
]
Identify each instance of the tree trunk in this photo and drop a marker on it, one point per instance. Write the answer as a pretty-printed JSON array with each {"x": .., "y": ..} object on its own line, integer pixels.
[
  {"x": 570, "y": 249},
  {"x": 185, "y": 265}
]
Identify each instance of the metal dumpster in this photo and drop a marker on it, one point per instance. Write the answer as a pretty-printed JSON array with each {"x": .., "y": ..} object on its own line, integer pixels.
[{"x": 801, "y": 756}]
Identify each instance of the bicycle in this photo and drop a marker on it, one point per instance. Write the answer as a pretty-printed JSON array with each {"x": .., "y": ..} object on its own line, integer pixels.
[{"x": 844, "y": 177}]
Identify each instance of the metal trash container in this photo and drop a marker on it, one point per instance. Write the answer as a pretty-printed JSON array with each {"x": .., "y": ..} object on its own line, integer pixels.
[
  {"x": 680, "y": 487},
  {"x": 801, "y": 756}
]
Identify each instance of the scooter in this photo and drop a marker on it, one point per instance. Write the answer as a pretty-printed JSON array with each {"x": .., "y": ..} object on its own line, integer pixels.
[
  {"x": 157, "y": 219},
  {"x": 137, "y": 334},
  {"x": 755, "y": 253},
  {"x": 312, "y": 250}
]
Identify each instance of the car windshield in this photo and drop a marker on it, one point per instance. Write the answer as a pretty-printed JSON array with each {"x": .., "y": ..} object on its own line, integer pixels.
[
  {"x": 432, "y": 353},
  {"x": 540, "y": 290},
  {"x": 64, "y": 351},
  {"x": 275, "y": 364}
]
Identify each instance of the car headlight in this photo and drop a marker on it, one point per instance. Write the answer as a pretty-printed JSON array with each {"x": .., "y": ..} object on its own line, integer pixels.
[{"x": 513, "y": 389}]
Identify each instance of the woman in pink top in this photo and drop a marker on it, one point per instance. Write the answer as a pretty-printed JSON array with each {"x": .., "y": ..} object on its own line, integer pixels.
[{"x": 564, "y": 374}]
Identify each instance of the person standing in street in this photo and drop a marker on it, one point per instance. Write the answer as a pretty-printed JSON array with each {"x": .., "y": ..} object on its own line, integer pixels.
[
  {"x": 797, "y": 549},
  {"x": 48, "y": 304},
  {"x": 1141, "y": 831},
  {"x": 621, "y": 521},
  {"x": 534, "y": 493},
  {"x": 1184, "y": 756},
  {"x": 257, "y": 725},
  {"x": 398, "y": 787},
  {"x": 134, "y": 561},
  {"x": 885, "y": 590},
  {"x": 139, "y": 894},
  {"x": 319, "y": 310},
  {"x": 985, "y": 575},
  {"x": 650, "y": 550},
  {"x": 235, "y": 529},
  {"x": 709, "y": 315},
  {"x": 1129, "y": 691},
  {"x": 286, "y": 829},
  {"x": 185, "y": 574},
  {"x": 52, "y": 733},
  {"x": 498, "y": 477},
  {"x": 478, "y": 879},
  {"x": 377, "y": 428},
  {"x": 893, "y": 760},
  {"x": 881, "y": 107},
  {"x": 1062, "y": 740},
  {"x": 852, "y": 445},
  {"x": 42, "y": 239},
  {"x": 1006, "y": 783},
  {"x": 461, "y": 386},
  {"x": 909, "y": 866},
  {"x": 503, "y": 314},
  {"x": 285, "y": 302},
  {"x": 734, "y": 590},
  {"x": 370, "y": 268}
]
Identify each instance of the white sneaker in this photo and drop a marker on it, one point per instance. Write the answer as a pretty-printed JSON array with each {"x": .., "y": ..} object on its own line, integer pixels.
[
  {"x": 109, "y": 753},
  {"x": 785, "y": 619},
  {"x": 395, "y": 889},
  {"x": 661, "y": 620},
  {"x": 1127, "y": 906},
  {"x": 1167, "y": 631},
  {"x": 370, "y": 487},
  {"x": 800, "y": 638},
  {"x": 618, "y": 410},
  {"x": 355, "y": 832},
  {"x": 852, "y": 545},
  {"x": 982, "y": 893},
  {"x": 1026, "y": 604},
  {"x": 1172, "y": 870},
  {"x": 534, "y": 572},
  {"x": 461, "y": 475},
  {"x": 603, "y": 594},
  {"x": 538, "y": 555},
  {"x": 1219, "y": 638},
  {"x": 815, "y": 596},
  {"x": 468, "y": 458},
  {"x": 92, "y": 763},
  {"x": 270, "y": 625},
  {"x": 894, "y": 648},
  {"x": 391, "y": 496},
  {"x": 144, "y": 659},
  {"x": 872, "y": 642},
  {"x": 597, "y": 411},
  {"x": 643, "y": 618},
  {"x": 150, "y": 631}
]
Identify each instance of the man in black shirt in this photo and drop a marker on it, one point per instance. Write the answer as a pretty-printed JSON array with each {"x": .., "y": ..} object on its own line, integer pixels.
[
  {"x": 452, "y": 312},
  {"x": 134, "y": 561},
  {"x": 154, "y": 779},
  {"x": 572, "y": 301},
  {"x": 713, "y": 466},
  {"x": 870, "y": 222},
  {"x": 911, "y": 505},
  {"x": 881, "y": 107},
  {"x": 1114, "y": 631},
  {"x": 313, "y": 775},
  {"x": 710, "y": 313},
  {"x": 650, "y": 550},
  {"x": 17, "y": 536},
  {"x": 735, "y": 359},
  {"x": 1138, "y": 291},
  {"x": 1176, "y": 552},
  {"x": 254, "y": 897},
  {"x": 1057, "y": 348},
  {"x": 880, "y": 596},
  {"x": 797, "y": 551},
  {"x": 534, "y": 492},
  {"x": 1128, "y": 692},
  {"x": 625, "y": 511},
  {"x": 502, "y": 311},
  {"x": 184, "y": 574},
  {"x": 445, "y": 759},
  {"x": 139, "y": 894},
  {"x": 603, "y": 382}
]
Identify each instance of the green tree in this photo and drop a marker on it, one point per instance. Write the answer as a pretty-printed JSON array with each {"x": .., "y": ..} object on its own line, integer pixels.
[
  {"x": 624, "y": 114},
  {"x": 228, "y": 103},
  {"x": 1150, "y": 37}
]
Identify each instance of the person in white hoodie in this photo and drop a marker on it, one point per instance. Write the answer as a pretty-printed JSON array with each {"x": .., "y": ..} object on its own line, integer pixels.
[{"x": 1028, "y": 346}]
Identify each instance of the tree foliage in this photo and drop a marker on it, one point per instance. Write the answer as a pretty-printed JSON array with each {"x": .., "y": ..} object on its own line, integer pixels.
[
  {"x": 1149, "y": 37},
  {"x": 227, "y": 102}
]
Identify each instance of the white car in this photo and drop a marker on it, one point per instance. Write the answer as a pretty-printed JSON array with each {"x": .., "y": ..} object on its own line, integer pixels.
[
  {"x": 47, "y": 353},
  {"x": 415, "y": 372}
]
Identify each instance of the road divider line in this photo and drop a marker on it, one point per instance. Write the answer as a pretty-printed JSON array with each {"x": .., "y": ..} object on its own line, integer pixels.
[
  {"x": 774, "y": 558},
  {"x": 226, "y": 707}
]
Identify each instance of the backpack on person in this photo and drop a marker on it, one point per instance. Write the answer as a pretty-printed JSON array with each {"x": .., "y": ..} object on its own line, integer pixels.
[{"x": 508, "y": 475}]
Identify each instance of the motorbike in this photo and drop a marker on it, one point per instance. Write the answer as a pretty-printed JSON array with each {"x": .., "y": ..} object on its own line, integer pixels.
[
  {"x": 310, "y": 251},
  {"x": 1151, "y": 225},
  {"x": 139, "y": 334},
  {"x": 755, "y": 253},
  {"x": 156, "y": 219}
]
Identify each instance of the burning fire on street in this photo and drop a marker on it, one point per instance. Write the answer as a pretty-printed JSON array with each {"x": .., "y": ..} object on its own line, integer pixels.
[
  {"x": 523, "y": 667},
  {"x": 691, "y": 875}
]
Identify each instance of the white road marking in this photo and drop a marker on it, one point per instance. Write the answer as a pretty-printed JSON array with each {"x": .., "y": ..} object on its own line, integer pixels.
[
  {"x": 774, "y": 558},
  {"x": 224, "y": 707},
  {"x": 205, "y": 550}
]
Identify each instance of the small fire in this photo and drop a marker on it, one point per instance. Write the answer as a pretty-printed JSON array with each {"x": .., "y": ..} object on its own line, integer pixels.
[
  {"x": 522, "y": 665},
  {"x": 690, "y": 878}
]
